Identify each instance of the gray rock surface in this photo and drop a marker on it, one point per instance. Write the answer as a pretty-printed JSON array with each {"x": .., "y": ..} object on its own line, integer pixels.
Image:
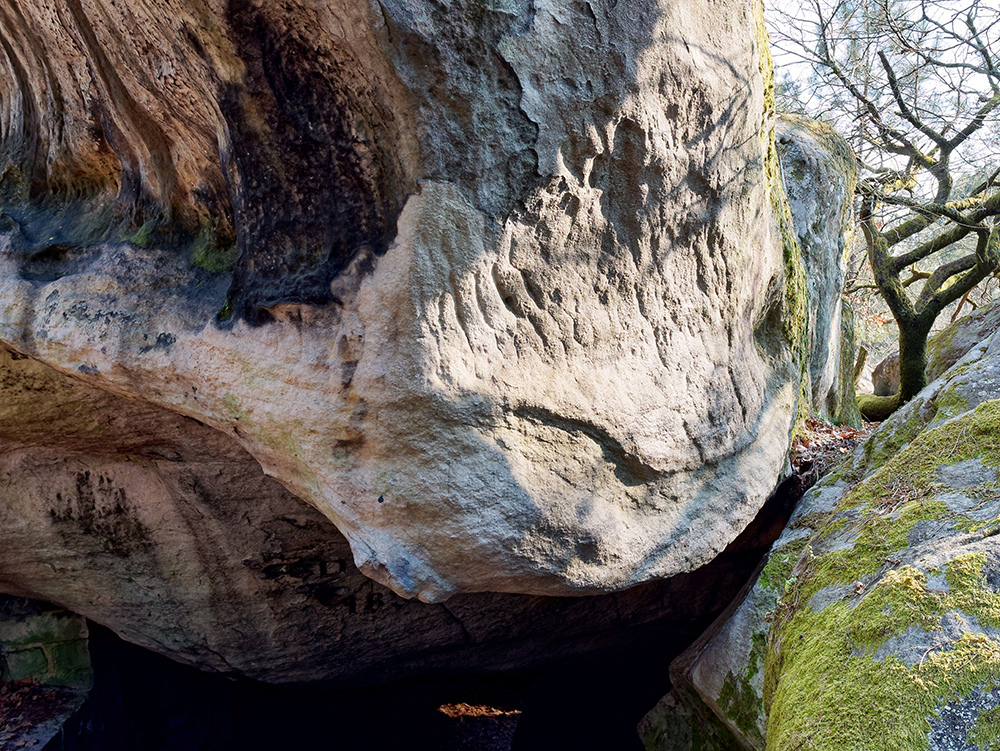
[
  {"x": 498, "y": 290},
  {"x": 168, "y": 532},
  {"x": 885, "y": 376},
  {"x": 950, "y": 345},
  {"x": 819, "y": 171},
  {"x": 884, "y": 589}
]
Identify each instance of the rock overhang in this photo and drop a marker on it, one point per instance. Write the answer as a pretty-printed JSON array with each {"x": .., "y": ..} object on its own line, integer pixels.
[{"x": 564, "y": 383}]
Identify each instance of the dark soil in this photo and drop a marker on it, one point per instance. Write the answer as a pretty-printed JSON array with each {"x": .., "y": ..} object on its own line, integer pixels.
[
  {"x": 821, "y": 447},
  {"x": 24, "y": 705}
]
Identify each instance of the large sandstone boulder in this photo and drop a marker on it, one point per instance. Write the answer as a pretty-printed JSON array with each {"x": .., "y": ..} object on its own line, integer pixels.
[
  {"x": 876, "y": 619},
  {"x": 819, "y": 172},
  {"x": 168, "y": 532},
  {"x": 500, "y": 289}
]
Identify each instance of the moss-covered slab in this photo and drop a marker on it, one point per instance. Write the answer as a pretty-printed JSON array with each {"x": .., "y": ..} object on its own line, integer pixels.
[
  {"x": 951, "y": 344},
  {"x": 875, "y": 623}
]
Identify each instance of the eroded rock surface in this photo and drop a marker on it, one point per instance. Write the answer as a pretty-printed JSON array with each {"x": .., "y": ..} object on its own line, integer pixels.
[
  {"x": 819, "y": 172},
  {"x": 497, "y": 289},
  {"x": 168, "y": 532},
  {"x": 877, "y": 614}
]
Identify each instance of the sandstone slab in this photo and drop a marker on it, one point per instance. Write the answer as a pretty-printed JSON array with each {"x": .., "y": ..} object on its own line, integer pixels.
[
  {"x": 877, "y": 614},
  {"x": 168, "y": 532},
  {"x": 819, "y": 172}
]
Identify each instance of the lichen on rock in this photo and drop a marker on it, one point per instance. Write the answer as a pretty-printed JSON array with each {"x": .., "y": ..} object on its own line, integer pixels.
[{"x": 887, "y": 624}]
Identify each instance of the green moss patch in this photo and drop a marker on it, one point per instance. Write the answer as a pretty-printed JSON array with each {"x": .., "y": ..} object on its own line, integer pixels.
[
  {"x": 780, "y": 563},
  {"x": 739, "y": 700},
  {"x": 897, "y": 602},
  {"x": 975, "y": 434},
  {"x": 968, "y": 591},
  {"x": 853, "y": 674},
  {"x": 142, "y": 235},
  {"x": 949, "y": 403},
  {"x": 825, "y": 689},
  {"x": 986, "y": 732},
  {"x": 829, "y": 693},
  {"x": 905, "y": 425},
  {"x": 877, "y": 408},
  {"x": 878, "y": 539},
  {"x": 211, "y": 254}
]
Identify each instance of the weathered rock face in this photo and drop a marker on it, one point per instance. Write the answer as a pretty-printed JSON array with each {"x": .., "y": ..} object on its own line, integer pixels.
[
  {"x": 819, "y": 172},
  {"x": 507, "y": 302},
  {"x": 884, "y": 591},
  {"x": 168, "y": 532},
  {"x": 848, "y": 412}
]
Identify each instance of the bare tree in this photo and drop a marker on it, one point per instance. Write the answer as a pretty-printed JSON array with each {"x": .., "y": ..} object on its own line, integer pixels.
[{"x": 915, "y": 85}]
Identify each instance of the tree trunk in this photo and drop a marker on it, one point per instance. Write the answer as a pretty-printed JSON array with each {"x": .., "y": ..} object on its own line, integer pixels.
[
  {"x": 912, "y": 372},
  {"x": 912, "y": 359}
]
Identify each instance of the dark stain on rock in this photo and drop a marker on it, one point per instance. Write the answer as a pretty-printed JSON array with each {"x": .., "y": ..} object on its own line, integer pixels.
[
  {"x": 314, "y": 173},
  {"x": 100, "y": 509},
  {"x": 55, "y": 261},
  {"x": 162, "y": 341},
  {"x": 325, "y": 580},
  {"x": 991, "y": 573}
]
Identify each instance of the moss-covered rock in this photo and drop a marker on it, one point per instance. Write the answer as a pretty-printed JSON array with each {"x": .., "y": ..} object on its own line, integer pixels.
[
  {"x": 818, "y": 171},
  {"x": 951, "y": 344},
  {"x": 875, "y": 623},
  {"x": 44, "y": 643}
]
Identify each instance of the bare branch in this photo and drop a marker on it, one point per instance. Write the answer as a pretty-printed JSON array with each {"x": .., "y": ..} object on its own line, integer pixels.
[
  {"x": 937, "y": 294},
  {"x": 928, "y": 209},
  {"x": 990, "y": 207},
  {"x": 916, "y": 276},
  {"x": 976, "y": 123},
  {"x": 904, "y": 109}
]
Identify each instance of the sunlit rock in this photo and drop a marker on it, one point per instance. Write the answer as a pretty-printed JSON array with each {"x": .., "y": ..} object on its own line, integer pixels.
[{"x": 497, "y": 289}]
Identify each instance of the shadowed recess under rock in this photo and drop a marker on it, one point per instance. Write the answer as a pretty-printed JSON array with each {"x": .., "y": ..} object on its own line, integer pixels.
[{"x": 315, "y": 155}]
